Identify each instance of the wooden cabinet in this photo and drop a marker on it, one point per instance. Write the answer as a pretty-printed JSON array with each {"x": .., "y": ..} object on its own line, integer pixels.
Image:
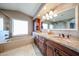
[
  {"x": 50, "y": 51},
  {"x": 60, "y": 53},
  {"x": 51, "y": 48},
  {"x": 54, "y": 52},
  {"x": 42, "y": 45},
  {"x": 1, "y": 48},
  {"x": 40, "y": 42},
  {"x": 59, "y": 50}
]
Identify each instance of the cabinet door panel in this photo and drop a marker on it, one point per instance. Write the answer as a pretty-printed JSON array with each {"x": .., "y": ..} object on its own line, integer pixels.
[
  {"x": 65, "y": 50},
  {"x": 50, "y": 51},
  {"x": 1, "y": 48}
]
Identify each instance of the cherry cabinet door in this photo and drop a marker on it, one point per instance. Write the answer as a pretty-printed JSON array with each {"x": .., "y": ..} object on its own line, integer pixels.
[
  {"x": 42, "y": 45},
  {"x": 1, "y": 48},
  {"x": 50, "y": 51}
]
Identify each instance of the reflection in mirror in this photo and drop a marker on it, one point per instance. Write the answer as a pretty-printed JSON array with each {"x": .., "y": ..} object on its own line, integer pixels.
[{"x": 63, "y": 20}]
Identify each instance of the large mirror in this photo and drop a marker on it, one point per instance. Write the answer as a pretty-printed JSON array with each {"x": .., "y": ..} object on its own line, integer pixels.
[{"x": 63, "y": 20}]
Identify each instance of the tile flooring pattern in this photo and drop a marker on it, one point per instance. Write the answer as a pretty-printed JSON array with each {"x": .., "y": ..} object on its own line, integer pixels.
[{"x": 28, "y": 50}]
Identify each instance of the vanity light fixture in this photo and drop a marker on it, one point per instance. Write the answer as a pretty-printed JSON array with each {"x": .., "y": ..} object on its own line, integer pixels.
[
  {"x": 51, "y": 13},
  {"x": 50, "y": 17},
  {"x": 43, "y": 17},
  {"x": 47, "y": 15},
  {"x": 47, "y": 18}
]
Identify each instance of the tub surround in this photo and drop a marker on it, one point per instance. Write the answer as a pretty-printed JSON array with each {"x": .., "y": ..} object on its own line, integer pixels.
[
  {"x": 71, "y": 43},
  {"x": 15, "y": 42},
  {"x": 27, "y": 50}
]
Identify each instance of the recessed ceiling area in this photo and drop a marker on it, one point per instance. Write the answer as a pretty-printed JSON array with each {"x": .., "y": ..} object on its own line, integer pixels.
[{"x": 27, "y": 8}]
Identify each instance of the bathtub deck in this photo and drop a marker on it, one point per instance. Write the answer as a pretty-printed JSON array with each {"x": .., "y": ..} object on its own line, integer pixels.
[
  {"x": 19, "y": 46},
  {"x": 28, "y": 50},
  {"x": 15, "y": 42}
]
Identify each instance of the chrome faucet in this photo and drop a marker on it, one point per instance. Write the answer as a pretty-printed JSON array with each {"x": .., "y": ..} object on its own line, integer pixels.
[
  {"x": 63, "y": 35},
  {"x": 68, "y": 36}
]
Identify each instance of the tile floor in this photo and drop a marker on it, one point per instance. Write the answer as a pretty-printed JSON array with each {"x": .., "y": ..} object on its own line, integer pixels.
[{"x": 28, "y": 50}]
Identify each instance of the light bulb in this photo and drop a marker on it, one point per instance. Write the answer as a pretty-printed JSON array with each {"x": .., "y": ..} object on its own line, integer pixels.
[
  {"x": 47, "y": 18},
  {"x": 50, "y": 17},
  {"x": 51, "y": 13},
  {"x": 43, "y": 17},
  {"x": 55, "y": 15},
  {"x": 47, "y": 15}
]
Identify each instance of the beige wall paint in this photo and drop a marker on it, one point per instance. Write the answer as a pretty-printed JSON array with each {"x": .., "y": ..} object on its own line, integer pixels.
[{"x": 18, "y": 16}]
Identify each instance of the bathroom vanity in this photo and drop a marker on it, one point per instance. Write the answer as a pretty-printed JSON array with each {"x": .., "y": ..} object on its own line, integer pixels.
[
  {"x": 64, "y": 23},
  {"x": 53, "y": 45}
]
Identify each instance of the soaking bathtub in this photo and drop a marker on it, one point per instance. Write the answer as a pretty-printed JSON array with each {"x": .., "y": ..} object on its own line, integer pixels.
[{"x": 15, "y": 42}]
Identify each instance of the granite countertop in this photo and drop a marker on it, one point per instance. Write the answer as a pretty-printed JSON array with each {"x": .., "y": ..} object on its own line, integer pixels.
[{"x": 71, "y": 43}]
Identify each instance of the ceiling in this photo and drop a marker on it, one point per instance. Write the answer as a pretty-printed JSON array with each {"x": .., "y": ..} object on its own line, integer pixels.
[{"x": 27, "y": 8}]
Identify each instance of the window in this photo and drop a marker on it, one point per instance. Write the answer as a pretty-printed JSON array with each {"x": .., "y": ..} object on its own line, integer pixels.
[
  {"x": 19, "y": 27},
  {"x": 45, "y": 26},
  {"x": 1, "y": 24},
  {"x": 50, "y": 26}
]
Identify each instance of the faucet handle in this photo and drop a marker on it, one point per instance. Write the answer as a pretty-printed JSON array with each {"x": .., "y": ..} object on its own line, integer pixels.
[
  {"x": 68, "y": 36},
  {"x": 63, "y": 35},
  {"x": 59, "y": 35}
]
